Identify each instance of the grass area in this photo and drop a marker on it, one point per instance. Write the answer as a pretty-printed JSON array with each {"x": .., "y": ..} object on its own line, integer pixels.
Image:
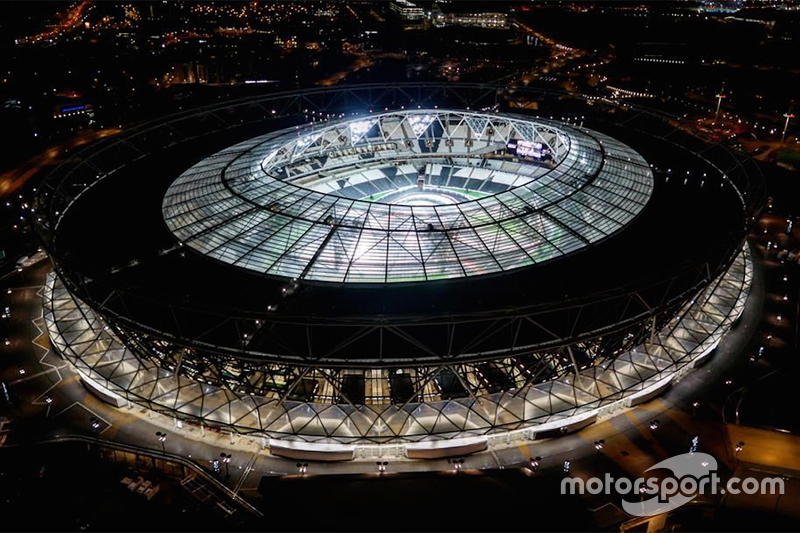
[
  {"x": 789, "y": 158},
  {"x": 474, "y": 194}
]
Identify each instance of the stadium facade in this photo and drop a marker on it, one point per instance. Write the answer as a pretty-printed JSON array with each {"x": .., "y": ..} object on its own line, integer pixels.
[{"x": 423, "y": 267}]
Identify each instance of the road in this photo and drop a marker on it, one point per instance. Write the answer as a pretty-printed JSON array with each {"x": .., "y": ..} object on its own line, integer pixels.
[{"x": 14, "y": 179}]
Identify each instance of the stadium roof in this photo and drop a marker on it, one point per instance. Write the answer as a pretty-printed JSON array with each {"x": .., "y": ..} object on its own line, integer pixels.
[{"x": 344, "y": 202}]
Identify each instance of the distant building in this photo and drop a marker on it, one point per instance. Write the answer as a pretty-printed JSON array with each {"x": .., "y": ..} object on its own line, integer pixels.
[
  {"x": 756, "y": 16},
  {"x": 482, "y": 20},
  {"x": 184, "y": 72},
  {"x": 720, "y": 6},
  {"x": 289, "y": 42},
  {"x": 326, "y": 12},
  {"x": 407, "y": 10},
  {"x": 211, "y": 72},
  {"x": 74, "y": 110}
]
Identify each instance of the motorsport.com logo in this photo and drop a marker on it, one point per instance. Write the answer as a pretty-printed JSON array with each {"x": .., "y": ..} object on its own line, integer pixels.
[{"x": 693, "y": 475}]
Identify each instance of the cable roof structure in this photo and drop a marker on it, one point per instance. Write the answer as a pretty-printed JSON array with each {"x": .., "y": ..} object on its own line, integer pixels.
[{"x": 407, "y": 196}]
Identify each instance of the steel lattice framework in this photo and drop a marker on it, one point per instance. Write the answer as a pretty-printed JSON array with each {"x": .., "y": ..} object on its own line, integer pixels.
[
  {"x": 362, "y": 377},
  {"x": 332, "y": 203},
  {"x": 104, "y": 359}
]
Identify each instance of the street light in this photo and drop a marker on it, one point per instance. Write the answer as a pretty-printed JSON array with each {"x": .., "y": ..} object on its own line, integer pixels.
[
  {"x": 226, "y": 458},
  {"x": 642, "y": 492},
  {"x": 162, "y": 437},
  {"x": 720, "y": 96},
  {"x": 598, "y": 445},
  {"x": 786, "y": 126}
]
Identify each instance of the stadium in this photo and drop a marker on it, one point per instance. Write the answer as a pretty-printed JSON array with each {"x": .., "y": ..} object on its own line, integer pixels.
[{"x": 421, "y": 267}]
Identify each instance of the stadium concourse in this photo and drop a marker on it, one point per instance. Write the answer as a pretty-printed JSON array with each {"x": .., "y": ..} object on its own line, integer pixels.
[{"x": 433, "y": 280}]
